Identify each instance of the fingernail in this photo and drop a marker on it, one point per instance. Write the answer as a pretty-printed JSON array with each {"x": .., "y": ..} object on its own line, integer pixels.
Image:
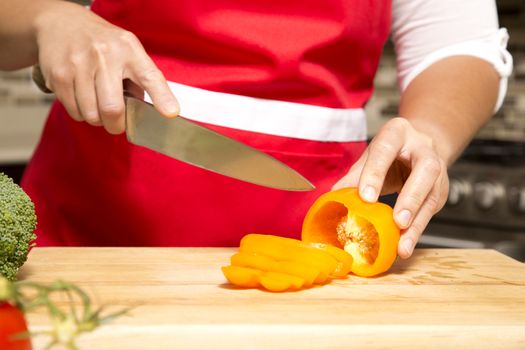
[
  {"x": 369, "y": 194},
  {"x": 172, "y": 108},
  {"x": 403, "y": 218},
  {"x": 408, "y": 246}
]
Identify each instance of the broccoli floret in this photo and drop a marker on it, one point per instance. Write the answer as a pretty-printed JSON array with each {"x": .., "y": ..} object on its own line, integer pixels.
[{"x": 17, "y": 227}]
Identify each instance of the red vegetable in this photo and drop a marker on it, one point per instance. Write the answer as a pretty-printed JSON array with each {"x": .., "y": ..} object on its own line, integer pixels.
[{"x": 12, "y": 323}]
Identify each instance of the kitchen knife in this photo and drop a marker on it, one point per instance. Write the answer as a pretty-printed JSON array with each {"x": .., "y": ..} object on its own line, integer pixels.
[{"x": 191, "y": 143}]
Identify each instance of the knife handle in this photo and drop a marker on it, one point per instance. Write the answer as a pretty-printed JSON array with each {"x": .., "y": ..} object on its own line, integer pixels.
[{"x": 39, "y": 80}]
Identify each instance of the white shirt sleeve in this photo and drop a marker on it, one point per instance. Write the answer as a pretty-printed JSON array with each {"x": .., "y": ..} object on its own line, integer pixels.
[{"x": 425, "y": 31}]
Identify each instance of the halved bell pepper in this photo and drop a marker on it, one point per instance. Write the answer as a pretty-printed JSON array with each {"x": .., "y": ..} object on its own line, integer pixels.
[{"x": 365, "y": 230}]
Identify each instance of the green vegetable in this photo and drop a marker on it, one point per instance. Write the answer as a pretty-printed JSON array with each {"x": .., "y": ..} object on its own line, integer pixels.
[{"x": 17, "y": 226}]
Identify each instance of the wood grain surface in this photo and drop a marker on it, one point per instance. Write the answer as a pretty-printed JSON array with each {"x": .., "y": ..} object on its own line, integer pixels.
[{"x": 439, "y": 299}]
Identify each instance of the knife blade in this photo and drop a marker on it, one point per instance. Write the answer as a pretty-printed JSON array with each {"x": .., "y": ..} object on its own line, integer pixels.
[
  {"x": 189, "y": 142},
  {"x": 192, "y": 143}
]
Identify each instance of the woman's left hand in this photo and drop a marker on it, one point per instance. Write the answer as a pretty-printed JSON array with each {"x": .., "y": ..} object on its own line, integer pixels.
[{"x": 404, "y": 160}]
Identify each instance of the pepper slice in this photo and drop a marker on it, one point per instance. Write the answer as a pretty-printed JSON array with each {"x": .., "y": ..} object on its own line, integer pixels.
[
  {"x": 265, "y": 263},
  {"x": 308, "y": 273},
  {"x": 242, "y": 276},
  {"x": 365, "y": 230},
  {"x": 253, "y": 260},
  {"x": 278, "y": 263},
  {"x": 344, "y": 259},
  {"x": 280, "y": 282},
  {"x": 288, "y": 249}
]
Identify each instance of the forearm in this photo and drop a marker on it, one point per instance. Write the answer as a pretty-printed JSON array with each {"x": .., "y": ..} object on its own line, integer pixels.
[
  {"x": 450, "y": 101},
  {"x": 19, "y": 21}
]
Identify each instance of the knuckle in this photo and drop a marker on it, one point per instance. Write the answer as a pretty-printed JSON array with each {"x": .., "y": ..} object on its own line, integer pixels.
[
  {"x": 94, "y": 122},
  {"x": 381, "y": 147},
  {"x": 112, "y": 110},
  {"x": 100, "y": 49},
  {"x": 60, "y": 75},
  {"x": 150, "y": 75},
  {"x": 73, "y": 113},
  {"x": 91, "y": 117},
  {"x": 429, "y": 141},
  {"x": 417, "y": 229},
  {"x": 433, "y": 203},
  {"x": 415, "y": 199},
  {"x": 373, "y": 176},
  {"x": 398, "y": 123},
  {"x": 77, "y": 59},
  {"x": 432, "y": 166},
  {"x": 128, "y": 38}
]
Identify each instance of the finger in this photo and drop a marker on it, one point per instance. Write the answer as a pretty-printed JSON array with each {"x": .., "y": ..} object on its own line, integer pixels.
[
  {"x": 411, "y": 235},
  {"x": 150, "y": 78},
  {"x": 426, "y": 171},
  {"x": 351, "y": 179},
  {"x": 66, "y": 95},
  {"x": 60, "y": 81},
  {"x": 110, "y": 99},
  {"x": 382, "y": 152},
  {"x": 86, "y": 97}
]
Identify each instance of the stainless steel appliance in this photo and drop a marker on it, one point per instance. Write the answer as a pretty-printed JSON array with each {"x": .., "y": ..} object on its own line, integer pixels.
[{"x": 486, "y": 202}]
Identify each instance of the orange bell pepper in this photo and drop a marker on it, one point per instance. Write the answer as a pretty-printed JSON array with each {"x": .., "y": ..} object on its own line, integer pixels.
[
  {"x": 278, "y": 264},
  {"x": 365, "y": 230}
]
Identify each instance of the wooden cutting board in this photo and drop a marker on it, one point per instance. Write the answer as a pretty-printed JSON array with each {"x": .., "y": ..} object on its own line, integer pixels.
[{"x": 452, "y": 299}]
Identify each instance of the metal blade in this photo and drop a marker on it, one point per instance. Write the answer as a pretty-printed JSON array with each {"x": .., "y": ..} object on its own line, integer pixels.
[{"x": 191, "y": 143}]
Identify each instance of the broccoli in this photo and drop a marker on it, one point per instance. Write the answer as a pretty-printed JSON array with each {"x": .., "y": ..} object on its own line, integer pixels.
[{"x": 17, "y": 226}]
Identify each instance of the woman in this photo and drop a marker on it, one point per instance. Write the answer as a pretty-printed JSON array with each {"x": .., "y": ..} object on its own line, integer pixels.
[{"x": 288, "y": 77}]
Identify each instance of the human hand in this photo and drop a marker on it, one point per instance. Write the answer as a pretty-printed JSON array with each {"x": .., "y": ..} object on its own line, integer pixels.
[
  {"x": 402, "y": 159},
  {"x": 85, "y": 59}
]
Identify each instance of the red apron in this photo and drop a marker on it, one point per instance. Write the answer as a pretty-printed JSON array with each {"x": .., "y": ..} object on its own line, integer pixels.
[{"x": 95, "y": 189}]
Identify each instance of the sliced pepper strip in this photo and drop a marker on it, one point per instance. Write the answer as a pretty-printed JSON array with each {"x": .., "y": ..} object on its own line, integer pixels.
[
  {"x": 287, "y": 249},
  {"x": 242, "y": 276},
  {"x": 366, "y": 230},
  {"x": 265, "y": 263},
  {"x": 308, "y": 273},
  {"x": 344, "y": 259},
  {"x": 280, "y": 282},
  {"x": 254, "y": 260}
]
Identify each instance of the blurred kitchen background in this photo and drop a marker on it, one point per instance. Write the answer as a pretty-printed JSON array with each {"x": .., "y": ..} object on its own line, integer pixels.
[{"x": 486, "y": 204}]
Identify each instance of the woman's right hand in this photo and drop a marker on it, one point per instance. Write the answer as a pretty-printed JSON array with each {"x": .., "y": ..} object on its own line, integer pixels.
[{"x": 85, "y": 59}]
